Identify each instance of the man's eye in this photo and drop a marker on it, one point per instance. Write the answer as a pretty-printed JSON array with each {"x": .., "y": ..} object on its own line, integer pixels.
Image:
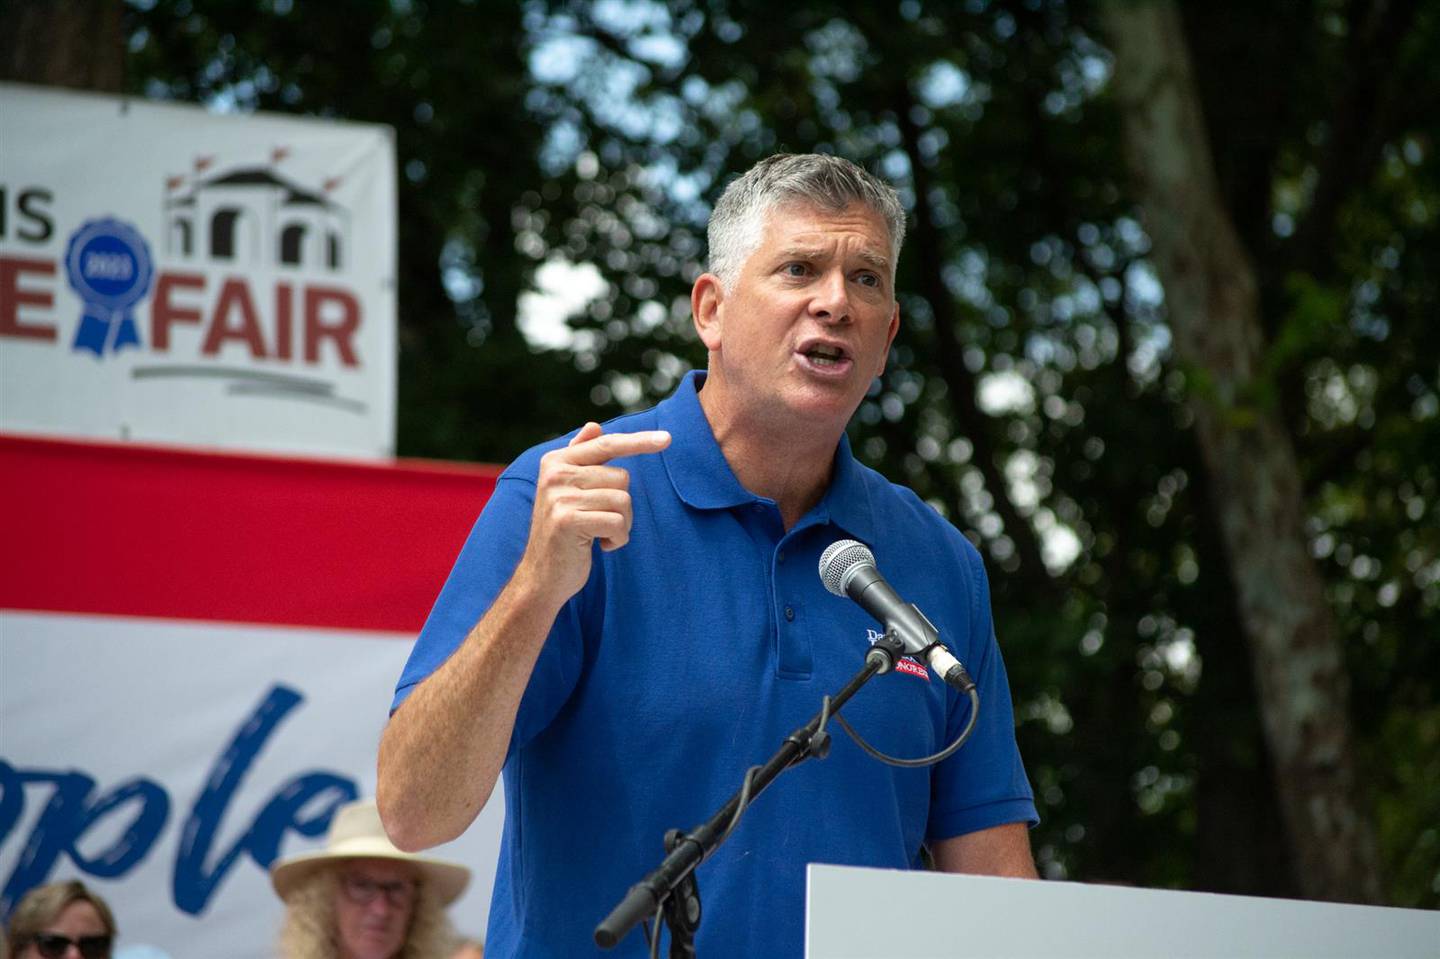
[
  {"x": 869, "y": 279},
  {"x": 796, "y": 269}
]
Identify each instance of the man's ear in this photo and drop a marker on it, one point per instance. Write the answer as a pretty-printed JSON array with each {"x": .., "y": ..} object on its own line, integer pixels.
[{"x": 706, "y": 297}]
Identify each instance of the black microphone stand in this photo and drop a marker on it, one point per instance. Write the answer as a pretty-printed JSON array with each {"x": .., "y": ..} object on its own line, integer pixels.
[{"x": 671, "y": 887}]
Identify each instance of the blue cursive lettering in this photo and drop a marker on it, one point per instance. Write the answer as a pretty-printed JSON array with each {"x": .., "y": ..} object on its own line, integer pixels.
[{"x": 304, "y": 805}]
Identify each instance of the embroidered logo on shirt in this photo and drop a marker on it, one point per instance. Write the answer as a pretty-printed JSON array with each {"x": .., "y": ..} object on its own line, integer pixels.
[{"x": 905, "y": 664}]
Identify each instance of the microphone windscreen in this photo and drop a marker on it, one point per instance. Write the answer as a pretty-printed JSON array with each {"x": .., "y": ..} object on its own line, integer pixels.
[{"x": 839, "y": 558}]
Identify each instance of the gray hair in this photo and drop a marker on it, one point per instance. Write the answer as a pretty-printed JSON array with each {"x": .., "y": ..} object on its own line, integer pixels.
[{"x": 828, "y": 182}]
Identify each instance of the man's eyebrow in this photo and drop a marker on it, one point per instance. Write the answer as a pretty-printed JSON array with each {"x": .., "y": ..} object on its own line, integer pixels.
[{"x": 877, "y": 260}]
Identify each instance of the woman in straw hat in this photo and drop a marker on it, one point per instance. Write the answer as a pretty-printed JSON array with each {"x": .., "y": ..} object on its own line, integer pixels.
[{"x": 361, "y": 898}]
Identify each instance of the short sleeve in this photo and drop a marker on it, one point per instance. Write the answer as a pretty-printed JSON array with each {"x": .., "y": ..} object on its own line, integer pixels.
[
  {"x": 485, "y": 564},
  {"x": 984, "y": 784}
]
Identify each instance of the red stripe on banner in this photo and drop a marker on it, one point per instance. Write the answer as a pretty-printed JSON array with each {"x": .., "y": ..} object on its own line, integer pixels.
[{"x": 131, "y": 530}]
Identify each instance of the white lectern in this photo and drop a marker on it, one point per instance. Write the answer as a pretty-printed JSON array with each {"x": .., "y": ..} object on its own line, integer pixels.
[{"x": 854, "y": 913}]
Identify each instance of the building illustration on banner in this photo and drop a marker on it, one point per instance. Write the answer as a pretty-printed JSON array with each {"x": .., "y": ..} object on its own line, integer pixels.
[{"x": 253, "y": 216}]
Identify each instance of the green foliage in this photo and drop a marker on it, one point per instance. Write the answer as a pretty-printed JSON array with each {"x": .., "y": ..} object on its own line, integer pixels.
[{"x": 1032, "y": 396}]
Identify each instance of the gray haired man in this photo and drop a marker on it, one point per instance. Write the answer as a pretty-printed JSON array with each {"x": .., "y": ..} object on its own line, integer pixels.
[{"x": 636, "y": 618}]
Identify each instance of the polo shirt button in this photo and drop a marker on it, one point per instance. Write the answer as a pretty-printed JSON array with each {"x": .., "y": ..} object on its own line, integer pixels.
[
  {"x": 780, "y": 556},
  {"x": 790, "y": 614}
]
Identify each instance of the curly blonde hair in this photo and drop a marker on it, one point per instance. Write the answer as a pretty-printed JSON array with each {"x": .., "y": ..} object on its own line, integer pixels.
[{"x": 309, "y": 929}]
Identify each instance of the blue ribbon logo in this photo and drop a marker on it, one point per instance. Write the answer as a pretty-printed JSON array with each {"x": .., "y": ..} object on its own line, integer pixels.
[{"x": 108, "y": 264}]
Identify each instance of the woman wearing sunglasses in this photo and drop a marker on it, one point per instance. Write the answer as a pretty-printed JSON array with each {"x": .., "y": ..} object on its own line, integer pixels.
[
  {"x": 61, "y": 920},
  {"x": 361, "y": 898}
]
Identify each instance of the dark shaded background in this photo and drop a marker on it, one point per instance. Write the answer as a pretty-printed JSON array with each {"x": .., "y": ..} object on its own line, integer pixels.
[{"x": 1067, "y": 385}]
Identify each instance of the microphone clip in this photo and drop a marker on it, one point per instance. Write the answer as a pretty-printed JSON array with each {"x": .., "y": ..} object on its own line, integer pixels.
[{"x": 885, "y": 651}]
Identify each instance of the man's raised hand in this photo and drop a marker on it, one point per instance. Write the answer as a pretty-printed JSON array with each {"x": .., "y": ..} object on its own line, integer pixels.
[{"x": 581, "y": 498}]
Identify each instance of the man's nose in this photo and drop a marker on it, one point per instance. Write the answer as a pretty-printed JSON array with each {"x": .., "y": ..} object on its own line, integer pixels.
[{"x": 831, "y": 299}]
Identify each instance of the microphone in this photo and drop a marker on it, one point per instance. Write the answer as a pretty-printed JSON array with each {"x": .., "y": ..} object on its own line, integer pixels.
[{"x": 847, "y": 568}]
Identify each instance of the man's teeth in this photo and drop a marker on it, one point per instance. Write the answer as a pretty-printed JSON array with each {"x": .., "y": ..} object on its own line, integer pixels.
[{"x": 825, "y": 355}]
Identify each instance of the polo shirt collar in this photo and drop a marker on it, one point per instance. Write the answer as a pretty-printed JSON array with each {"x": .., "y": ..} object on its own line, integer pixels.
[
  {"x": 698, "y": 470},
  {"x": 847, "y": 501},
  {"x": 702, "y": 477}
]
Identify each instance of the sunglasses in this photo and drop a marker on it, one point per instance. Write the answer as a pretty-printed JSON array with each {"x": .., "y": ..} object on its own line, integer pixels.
[{"x": 52, "y": 945}]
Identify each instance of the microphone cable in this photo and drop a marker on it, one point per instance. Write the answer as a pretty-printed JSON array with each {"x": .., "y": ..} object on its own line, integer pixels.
[
  {"x": 941, "y": 756},
  {"x": 825, "y": 716}
]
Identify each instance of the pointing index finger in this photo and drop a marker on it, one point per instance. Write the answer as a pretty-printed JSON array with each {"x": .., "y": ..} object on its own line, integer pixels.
[
  {"x": 587, "y": 432},
  {"x": 609, "y": 446}
]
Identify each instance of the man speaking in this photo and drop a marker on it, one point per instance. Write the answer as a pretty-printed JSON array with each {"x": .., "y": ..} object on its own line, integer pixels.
[{"x": 636, "y": 618}]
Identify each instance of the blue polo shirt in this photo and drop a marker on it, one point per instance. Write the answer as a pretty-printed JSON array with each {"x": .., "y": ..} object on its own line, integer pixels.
[{"x": 687, "y": 657}]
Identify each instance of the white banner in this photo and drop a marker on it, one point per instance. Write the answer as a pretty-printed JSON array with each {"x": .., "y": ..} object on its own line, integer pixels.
[
  {"x": 161, "y": 761},
  {"x": 173, "y": 275}
]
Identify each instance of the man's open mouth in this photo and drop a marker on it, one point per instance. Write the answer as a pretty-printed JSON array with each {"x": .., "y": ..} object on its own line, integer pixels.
[{"x": 822, "y": 355}]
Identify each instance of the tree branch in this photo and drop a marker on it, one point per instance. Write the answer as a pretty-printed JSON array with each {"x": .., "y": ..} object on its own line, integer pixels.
[{"x": 950, "y": 359}]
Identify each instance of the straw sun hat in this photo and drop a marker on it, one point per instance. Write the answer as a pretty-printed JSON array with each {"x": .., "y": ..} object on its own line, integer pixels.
[{"x": 356, "y": 833}]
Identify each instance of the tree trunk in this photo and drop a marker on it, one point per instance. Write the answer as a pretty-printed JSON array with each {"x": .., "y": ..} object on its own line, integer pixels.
[
  {"x": 1240, "y": 833},
  {"x": 1212, "y": 300},
  {"x": 63, "y": 43}
]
